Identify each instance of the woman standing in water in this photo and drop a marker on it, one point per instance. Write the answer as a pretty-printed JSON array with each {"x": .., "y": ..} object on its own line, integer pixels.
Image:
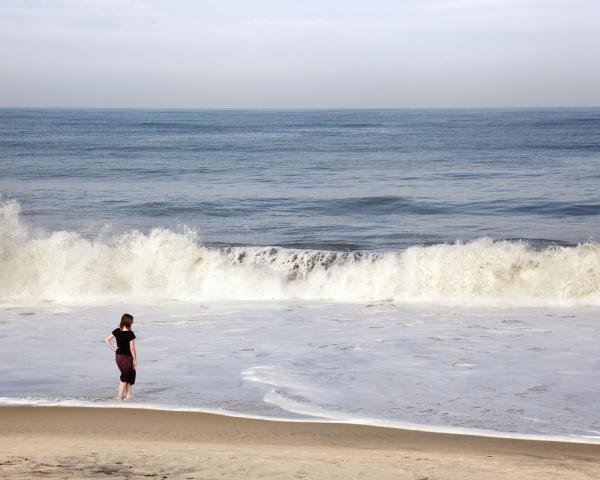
[{"x": 126, "y": 355}]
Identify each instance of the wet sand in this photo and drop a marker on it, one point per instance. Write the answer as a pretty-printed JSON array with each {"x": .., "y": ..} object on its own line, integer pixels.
[{"x": 73, "y": 442}]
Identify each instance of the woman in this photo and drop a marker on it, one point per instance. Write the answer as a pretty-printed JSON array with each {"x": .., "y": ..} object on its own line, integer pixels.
[{"x": 126, "y": 355}]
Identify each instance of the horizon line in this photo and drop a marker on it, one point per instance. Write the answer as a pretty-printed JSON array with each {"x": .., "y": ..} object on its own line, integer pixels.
[{"x": 307, "y": 108}]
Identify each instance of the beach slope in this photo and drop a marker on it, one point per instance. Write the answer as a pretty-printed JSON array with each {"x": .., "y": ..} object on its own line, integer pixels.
[{"x": 72, "y": 442}]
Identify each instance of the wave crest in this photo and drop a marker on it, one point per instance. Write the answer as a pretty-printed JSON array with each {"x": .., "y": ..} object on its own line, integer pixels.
[{"x": 63, "y": 266}]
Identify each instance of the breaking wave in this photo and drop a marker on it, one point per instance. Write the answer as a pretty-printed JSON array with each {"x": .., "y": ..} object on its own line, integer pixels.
[{"x": 63, "y": 266}]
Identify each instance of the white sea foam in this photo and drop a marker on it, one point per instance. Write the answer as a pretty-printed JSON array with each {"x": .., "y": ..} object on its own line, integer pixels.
[
  {"x": 275, "y": 377},
  {"x": 64, "y": 267}
]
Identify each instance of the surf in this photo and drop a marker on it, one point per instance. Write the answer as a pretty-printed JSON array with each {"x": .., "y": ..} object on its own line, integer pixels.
[{"x": 65, "y": 267}]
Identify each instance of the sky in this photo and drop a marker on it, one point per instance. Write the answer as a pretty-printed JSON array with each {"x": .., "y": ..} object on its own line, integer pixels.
[{"x": 299, "y": 54}]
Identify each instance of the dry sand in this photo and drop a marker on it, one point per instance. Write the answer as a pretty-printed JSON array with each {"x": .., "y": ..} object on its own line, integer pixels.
[{"x": 69, "y": 443}]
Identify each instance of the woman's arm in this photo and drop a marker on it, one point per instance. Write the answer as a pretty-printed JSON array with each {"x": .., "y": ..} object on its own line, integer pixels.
[
  {"x": 133, "y": 352},
  {"x": 108, "y": 341}
]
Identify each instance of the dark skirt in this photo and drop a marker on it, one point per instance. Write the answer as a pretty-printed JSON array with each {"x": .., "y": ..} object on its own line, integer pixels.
[{"x": 125, "y": 364}]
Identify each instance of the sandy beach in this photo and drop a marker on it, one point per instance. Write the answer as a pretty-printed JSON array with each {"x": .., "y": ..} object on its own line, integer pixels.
[{"x": 71, "y": 442}]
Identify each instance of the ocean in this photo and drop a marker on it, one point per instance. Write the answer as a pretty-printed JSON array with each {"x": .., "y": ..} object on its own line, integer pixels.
[{"x": 429, "y": 269}]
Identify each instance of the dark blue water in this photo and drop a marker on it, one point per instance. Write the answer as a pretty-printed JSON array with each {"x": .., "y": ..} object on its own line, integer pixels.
[{"x": 344, "y": 179}]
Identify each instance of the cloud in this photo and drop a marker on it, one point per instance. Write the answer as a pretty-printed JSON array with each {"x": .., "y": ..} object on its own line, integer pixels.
[{"x": 281, "y": 53}]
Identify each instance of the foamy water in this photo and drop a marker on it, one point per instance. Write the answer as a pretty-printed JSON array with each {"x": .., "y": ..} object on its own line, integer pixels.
[
  {"x": 63, "y": 266},
  {"x": 514, "y": 372}
]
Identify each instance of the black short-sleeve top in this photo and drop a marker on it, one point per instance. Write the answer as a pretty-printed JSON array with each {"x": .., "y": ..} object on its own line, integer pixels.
[{"x": 123, "y": 338}]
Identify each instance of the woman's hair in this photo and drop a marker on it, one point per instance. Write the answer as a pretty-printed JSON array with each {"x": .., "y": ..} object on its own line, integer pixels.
[{"x": 126, "y": 320}]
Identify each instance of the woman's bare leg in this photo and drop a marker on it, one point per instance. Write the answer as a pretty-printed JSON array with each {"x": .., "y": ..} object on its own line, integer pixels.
[
  {"x": 122, "y": 388},
  {"x": 128, "y": 394}
]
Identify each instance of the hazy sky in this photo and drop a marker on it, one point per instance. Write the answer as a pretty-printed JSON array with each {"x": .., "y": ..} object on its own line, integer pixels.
[{"x": 301, "y": 53}]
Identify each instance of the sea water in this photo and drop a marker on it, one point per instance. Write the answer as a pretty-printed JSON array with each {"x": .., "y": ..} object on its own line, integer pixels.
[{"x": 432, "y": 269}]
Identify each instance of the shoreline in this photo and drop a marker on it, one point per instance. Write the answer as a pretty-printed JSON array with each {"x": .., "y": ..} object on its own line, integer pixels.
[
  {"x": 366, "y": 422},
  {"x": 59, "y": 441}
]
